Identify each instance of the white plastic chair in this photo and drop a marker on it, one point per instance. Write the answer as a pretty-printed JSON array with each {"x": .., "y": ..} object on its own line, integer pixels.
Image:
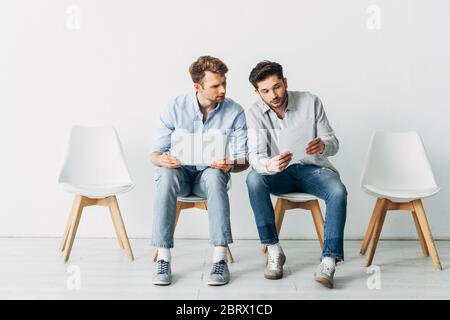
[
  {"x": 94, "y": 169},
  {"x": 193, "y": 201},
  {"x": 297, "y": 200},
  {"x": 398, "y": 173}
]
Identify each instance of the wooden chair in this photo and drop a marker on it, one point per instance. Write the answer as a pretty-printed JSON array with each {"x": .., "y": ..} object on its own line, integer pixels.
[
  {"x": 304, "y": 201},
  {"x": 188, "y": 202},
  {"x": 95, "y": 170},
  {"x": 398, "y": 173}
]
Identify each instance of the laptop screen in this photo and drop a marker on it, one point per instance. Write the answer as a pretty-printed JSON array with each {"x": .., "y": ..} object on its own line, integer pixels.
[{"x": 199, "y": 149}]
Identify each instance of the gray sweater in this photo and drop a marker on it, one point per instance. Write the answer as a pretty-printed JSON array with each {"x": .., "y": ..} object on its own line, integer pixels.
[{"x": 303, "y": 108}]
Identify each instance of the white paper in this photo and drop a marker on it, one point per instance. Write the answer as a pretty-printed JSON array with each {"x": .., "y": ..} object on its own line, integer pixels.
[
  {"x": 199, "y": 149},
  {"x": 295, "y": 140}
]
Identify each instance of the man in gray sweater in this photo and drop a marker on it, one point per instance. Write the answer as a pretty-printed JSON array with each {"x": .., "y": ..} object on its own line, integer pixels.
[{"x": 279, "y": 116}]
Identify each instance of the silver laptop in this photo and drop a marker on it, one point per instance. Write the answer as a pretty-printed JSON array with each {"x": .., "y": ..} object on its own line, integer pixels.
[{"x": 198, "y": 149}]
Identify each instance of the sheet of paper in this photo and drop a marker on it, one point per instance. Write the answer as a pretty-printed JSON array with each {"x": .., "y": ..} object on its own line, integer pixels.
[
  {"x": 295, "y": 140},
  {"x": 198, "y": 148}
]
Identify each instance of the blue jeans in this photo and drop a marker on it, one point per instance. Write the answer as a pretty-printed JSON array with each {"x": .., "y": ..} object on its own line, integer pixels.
[
  {"x": 210, "y": 184},
  {"x": 320, "y": 182}
]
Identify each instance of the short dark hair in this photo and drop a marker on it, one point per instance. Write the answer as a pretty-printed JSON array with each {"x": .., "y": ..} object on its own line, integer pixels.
[
  {"x": 263, "y": 70},
  {"x": 206, "y": 63}
]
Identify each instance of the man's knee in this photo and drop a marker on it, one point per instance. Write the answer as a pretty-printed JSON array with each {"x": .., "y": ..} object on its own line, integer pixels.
[
  {"x": 338, "y": 191},
  {"x": 254, "y": 180},
  {"x": 167, "y": 175},
  {"x": 215, "y": 178}
]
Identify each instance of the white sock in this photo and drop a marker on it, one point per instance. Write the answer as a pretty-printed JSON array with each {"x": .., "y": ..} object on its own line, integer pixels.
[
  {"x": 164, "y": 254},
  {"x": 329, "y": 261},
  {"x": 274, "y": 249},
  {"x": 220, "y": 253}
]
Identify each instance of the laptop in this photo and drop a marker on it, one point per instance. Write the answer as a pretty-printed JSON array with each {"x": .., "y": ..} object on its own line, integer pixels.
[{"x": 198, "y": 149}]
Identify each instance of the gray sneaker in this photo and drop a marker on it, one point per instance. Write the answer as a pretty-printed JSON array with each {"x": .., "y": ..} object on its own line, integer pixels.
[
  {"x": 163, "y": 276},
  {"x": 274, "y": 266},
  {"x": 324, "y": 275},
  {"x": 219, "y": 274}
]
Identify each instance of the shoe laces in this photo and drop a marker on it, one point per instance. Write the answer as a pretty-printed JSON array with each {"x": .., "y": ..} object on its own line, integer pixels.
[
  {"x": 218, "y": 267},
  {"x": 327, "y": 269},
  {"x": 273, "y": 261},
  {"x": 163, "y": 267}
]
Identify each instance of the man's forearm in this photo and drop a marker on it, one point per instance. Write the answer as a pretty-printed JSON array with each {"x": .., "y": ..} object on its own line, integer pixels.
[
  {"x": 331, "y": 146},
  {"x": 155, "y": 158}
]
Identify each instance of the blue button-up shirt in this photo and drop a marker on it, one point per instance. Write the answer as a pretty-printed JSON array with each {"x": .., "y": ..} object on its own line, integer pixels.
[{"x": 183, "y": 112}]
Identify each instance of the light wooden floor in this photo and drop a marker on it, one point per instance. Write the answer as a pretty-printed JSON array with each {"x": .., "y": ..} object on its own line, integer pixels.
[{"x": 32, "y": 268}]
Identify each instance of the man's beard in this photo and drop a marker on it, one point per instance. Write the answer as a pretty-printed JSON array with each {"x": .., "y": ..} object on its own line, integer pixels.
[{"x": 282, "y": 104}]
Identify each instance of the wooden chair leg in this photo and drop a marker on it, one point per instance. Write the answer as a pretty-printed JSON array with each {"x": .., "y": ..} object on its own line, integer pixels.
[
  {"x": 425, "y": 227},
  {"x": 318, "y": 221},
  {"x": 203, "y": 205},
  {"x": 62, "y": 246},
  {"x": 376, "y": 235},
  {"x": 155, "y": 255},
  {"x": 179, "y": 206},
  {"x": 76, "y": 216},
  {"x": 422, "y": 241},
  {"x": 229, "y": 255},
  {"x": 115, "y": 212},
  {"x": 368, "y": 236},
  {"x": 116, "y": 228},
  {"x": 177, "y": 214},
  {"x": 280, "y": 209}
]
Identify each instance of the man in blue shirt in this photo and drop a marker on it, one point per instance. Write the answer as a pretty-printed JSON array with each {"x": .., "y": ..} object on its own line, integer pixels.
[{"x": 205, "y": 110}]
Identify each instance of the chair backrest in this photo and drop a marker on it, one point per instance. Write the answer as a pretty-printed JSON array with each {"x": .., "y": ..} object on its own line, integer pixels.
[
  {"x": 397, "y": 160},
  {"x": 94, "y": 156}
]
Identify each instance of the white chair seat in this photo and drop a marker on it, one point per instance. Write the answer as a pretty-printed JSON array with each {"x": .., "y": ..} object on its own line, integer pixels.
[
  {"x": 400, "y": 195},
  {"x": 297, "y": 196},
  {"x": 191, "y": 198},
  {"x": 195, "y": 198},
  {"x": 397, "y": 168},
  {"x": 96, "y": 191},
  {"x": 94, "y": 164}
]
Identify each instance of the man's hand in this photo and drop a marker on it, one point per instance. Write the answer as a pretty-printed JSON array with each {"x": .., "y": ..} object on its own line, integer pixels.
[
  {"x": 315, "y": 146},
  {"x": 226, "y": 165},
  {"x": 280, "y": 162},
  {"x": 169, "y": 161}
]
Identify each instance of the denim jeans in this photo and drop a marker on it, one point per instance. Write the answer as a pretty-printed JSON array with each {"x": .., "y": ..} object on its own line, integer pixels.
[
  {"x": 318, "y": 181},
  {"x": 210, "y": 184}
]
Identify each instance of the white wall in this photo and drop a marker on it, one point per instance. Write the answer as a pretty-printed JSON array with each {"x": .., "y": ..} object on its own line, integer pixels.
[{"x": 128, "y": 58}]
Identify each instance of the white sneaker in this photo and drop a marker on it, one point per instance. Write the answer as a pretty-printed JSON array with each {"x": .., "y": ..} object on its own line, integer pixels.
[
  {"x": 274, "y": 266},
  {"x": 324, "y": 274}
]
